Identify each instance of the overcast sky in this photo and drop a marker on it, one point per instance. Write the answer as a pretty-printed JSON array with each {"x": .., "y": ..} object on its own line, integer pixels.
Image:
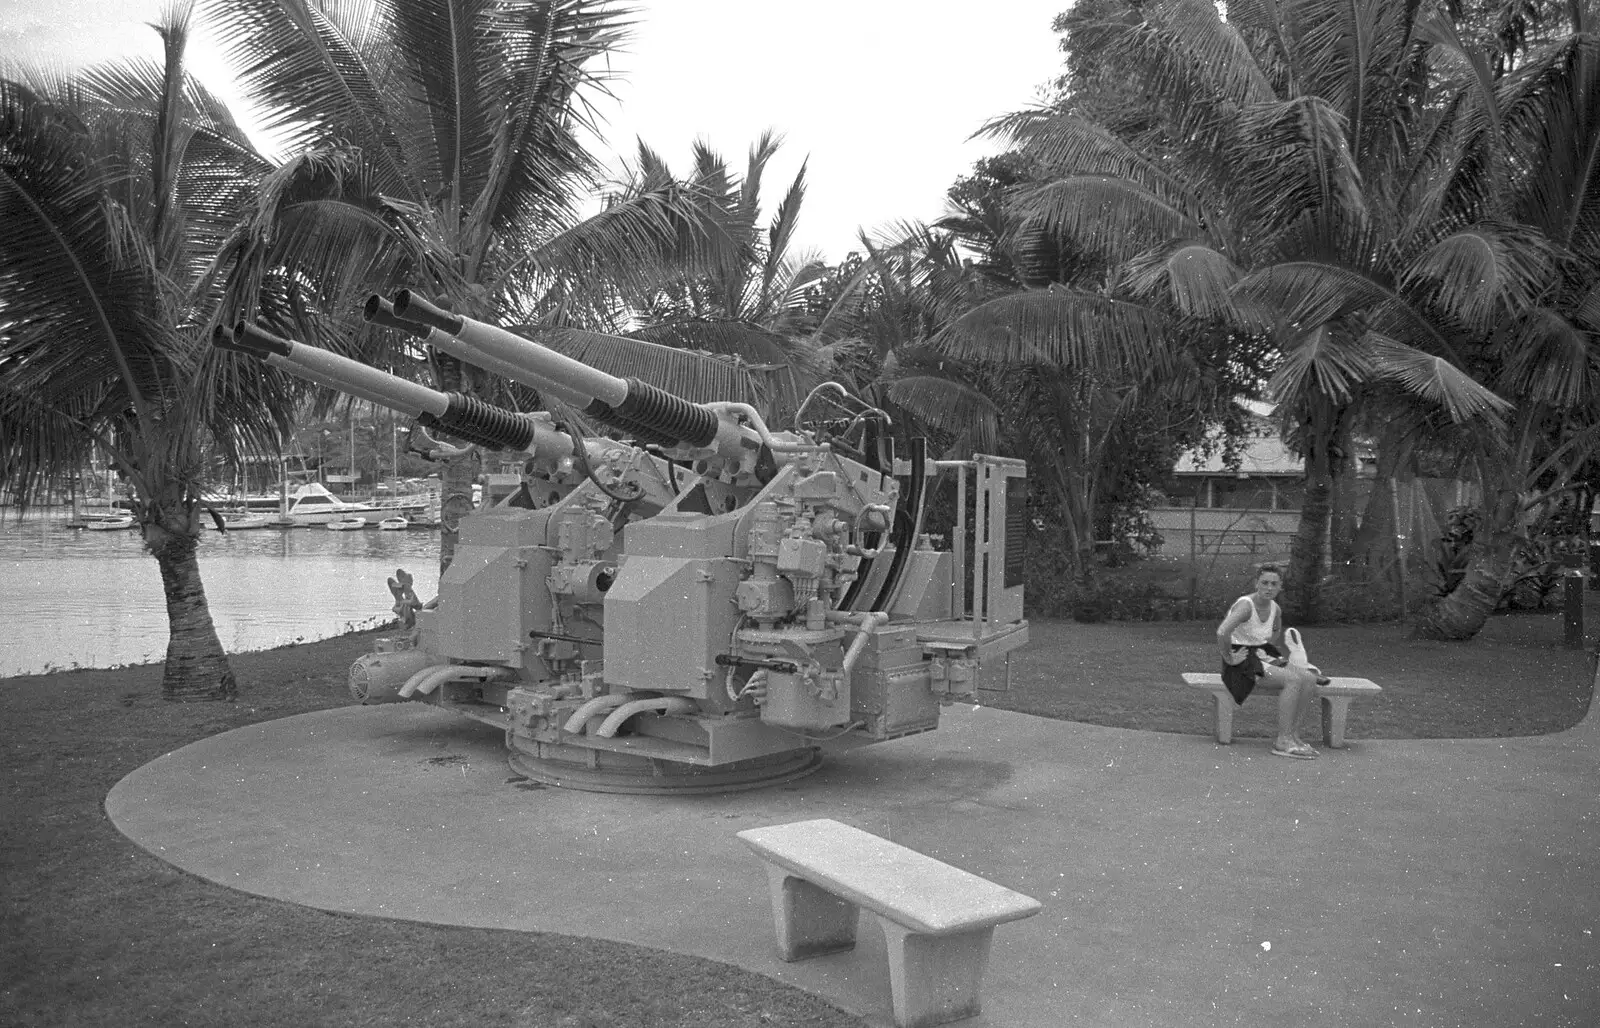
[{"x": 879, "y": 96}]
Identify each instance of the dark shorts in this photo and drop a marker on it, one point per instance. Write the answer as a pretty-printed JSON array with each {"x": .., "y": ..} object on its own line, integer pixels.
[{"x": 1241, "y": 678}]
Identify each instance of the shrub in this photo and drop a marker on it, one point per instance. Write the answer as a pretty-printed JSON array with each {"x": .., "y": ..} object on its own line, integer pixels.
[{"x": 1121, "y": 590}]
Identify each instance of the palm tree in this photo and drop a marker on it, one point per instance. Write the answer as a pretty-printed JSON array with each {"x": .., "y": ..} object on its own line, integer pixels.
[
  {"x": 1540, "y": 125},
  {"x": 116, "y": 186},
  {"x": 932, "y": 363},
  {"x": 756, "y": 310},
  {"x": 436, "y": 144},
  {"x": 752, "y": 308},
  {"x": 1283, "y": 182}
]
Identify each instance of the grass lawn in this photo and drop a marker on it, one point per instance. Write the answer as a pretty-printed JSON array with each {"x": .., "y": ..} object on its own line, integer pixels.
[
  {"x": 1513, "y": 679},
  {"x": 94, "y": 931}
]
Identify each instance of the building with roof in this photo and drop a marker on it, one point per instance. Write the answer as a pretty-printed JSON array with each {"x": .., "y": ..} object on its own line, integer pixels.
[{"x": 1210, "y": 507}]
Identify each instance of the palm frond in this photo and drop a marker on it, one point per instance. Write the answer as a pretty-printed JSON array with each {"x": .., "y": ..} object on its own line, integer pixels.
[
  {"x": 93, "y": 322},
  {"x": 548, "y": 56},
  {"x": 1060, "y": 326},
  {"x": 1320, "y": 361},
  {"x": 449, "y": 52},
  {"x": 651, "y": 171},
  {"x": 1306, "y": 160},
  {"x": 1481, "y": 111},
  {"x": 1195, "y": 277},
  {"x": 320, "y": 228},
  {"x": 1587, "y": 310},
  {"x": 1016, "y": 126},
  {"x": 317, "y": 72},
  {"x": 1435, "y": 380},
  {"x": 947, "y": 402},
  {"x": 1069, "y": 144},
  {"x": 128, "y": 89},
  {"x": 1108, "y": 216},
  {"x": 1265, "y": 20},
  {"x": 1554, "y": 126},
  {"x": 1548, "y": 360},
  {"x": 1348, "y": 52},
  {"x": 761, "y": 152},
  {"x": 1189, "y": 49},
  {"x": 113, "y": 189},
  {"x": 1305, "y": 294},
  {"x": 1310, "y": 293},
  {"x": 751, "y": 344},
  {"x": 640, "y": 243},
  {"x": 784, "y": 221},
  {"x": 1424, "y": 184},
  {"x": 697, "y": 377},
  {"x": 1483, "y": 272}
]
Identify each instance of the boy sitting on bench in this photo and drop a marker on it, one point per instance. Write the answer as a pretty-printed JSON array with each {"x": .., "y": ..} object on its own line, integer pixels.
[{"x": 1251, "y": 640}]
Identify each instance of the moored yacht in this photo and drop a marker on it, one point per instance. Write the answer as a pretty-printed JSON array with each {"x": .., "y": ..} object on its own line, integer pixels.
[{"x": 313, "y": 504}]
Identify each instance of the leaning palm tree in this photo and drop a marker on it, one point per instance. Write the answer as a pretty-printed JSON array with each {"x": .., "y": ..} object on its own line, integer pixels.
[
  {"x": 1537, "y": 128},
  {"x": 116, "y": 186},
  {"x": 437, "y": 144}
]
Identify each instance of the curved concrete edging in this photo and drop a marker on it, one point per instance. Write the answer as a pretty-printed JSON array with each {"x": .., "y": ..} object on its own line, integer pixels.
[{"x": 1450, "y": 879}]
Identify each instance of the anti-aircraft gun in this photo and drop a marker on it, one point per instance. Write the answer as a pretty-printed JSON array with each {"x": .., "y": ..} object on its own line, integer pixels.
[{"x": 700, "y": 609}]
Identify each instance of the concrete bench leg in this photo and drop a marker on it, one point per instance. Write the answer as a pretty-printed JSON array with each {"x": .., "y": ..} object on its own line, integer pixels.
[
  {"x": 810, "y": 921},
  {"x": 1334, "y": 710},
  {"x": 935, "y": 978},
  {"x": 1224, "y": 716}
]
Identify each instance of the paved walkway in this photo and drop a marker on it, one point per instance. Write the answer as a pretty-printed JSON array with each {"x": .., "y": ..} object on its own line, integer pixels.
[{"x": 1429, "y": 883}]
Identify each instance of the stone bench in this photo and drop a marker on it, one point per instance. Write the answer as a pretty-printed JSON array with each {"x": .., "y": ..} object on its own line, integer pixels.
[
  {"x": 937, "y": 920},
  {"x": 1335, "y": 697}
]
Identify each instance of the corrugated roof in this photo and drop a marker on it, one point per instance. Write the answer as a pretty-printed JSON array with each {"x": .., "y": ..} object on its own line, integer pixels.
[{"x": 1264, "y": 454}]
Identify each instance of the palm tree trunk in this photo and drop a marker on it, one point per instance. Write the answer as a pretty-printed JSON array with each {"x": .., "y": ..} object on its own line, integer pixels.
[
  {"x": 1342, "y": 521},
  {"x": 1303, "y": 600},
  {"x": 1374, "y": 541},
  {"x": 197, "y": 668},
  {"x": 1326, "y": 444},
  {"x": 1460, "y": 615}
]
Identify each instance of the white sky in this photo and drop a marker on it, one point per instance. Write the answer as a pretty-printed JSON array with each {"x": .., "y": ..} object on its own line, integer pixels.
[{"x": 879, "y": 95}]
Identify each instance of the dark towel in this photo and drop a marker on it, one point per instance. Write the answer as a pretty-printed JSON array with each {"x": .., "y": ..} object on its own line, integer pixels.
[{"x": 1241, "y": 678}]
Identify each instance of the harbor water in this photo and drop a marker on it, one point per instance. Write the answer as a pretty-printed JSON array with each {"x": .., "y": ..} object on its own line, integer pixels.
[{"x": 76, "y": 598}]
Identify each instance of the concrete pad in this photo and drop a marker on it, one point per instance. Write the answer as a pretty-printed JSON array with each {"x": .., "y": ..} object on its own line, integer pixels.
[{"x": 1425, "y": 883}]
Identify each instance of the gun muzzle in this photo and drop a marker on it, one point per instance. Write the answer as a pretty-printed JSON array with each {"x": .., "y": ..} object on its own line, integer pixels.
[
  {"x": 464, "y": 417},
  {"x": 381, "y": 312},
  {"x": 495, "y": 349},
  {"x": 336, "y": 372}
]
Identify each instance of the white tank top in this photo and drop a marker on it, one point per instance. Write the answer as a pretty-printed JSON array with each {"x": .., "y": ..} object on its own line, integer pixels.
[{"x": 1255, "y": 632}]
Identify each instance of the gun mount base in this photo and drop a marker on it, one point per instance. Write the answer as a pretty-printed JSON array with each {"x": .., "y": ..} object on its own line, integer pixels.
[{"x": 590, "y": 770}]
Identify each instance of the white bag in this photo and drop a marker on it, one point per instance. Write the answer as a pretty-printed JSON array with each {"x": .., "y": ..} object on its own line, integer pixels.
[{"x": 1297, "y": 651}]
